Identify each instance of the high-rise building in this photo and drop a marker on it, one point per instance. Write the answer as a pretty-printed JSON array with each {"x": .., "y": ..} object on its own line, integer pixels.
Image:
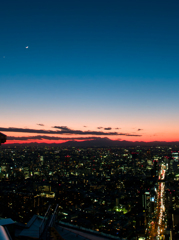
[{"x": 175, "y": 155}]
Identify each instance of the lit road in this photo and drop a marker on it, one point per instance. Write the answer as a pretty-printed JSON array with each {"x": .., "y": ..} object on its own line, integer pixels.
[{"x": 157, "y": 226}]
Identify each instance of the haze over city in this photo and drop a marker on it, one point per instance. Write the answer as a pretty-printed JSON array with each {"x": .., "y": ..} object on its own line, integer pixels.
[{"x": 83, "y": 70}]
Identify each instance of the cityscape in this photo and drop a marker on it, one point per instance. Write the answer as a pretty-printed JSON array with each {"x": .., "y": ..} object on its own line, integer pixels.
[
  {"x": 89, "y": 133},
  {"x": 113, "y": 193}
]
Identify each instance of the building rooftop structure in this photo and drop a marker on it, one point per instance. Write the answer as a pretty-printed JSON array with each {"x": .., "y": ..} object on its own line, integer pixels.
[
  {"x": 46, "y": 228},
  {"x": 2, "y": 138},
  {"x": 32, "y": 230}
]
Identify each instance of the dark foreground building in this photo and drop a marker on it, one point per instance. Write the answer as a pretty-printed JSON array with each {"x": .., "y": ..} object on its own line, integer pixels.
[
  {"x": 2, "y": 138},
  {"x": 46, "y": 228}
]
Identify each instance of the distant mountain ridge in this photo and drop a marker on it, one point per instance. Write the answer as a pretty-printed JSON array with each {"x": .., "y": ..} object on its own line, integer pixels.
[{"x": 102, "y": 142}]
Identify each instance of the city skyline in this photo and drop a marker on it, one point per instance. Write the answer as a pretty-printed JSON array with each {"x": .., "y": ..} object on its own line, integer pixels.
[{"x": 80, "y": 71}]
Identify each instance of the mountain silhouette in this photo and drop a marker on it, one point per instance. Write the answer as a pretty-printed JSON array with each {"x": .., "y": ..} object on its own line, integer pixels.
[{"x": 101, "y": 142}]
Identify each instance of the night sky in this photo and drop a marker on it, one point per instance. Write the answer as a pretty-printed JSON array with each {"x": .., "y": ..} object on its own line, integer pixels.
[{"x": 92, "y": 69}]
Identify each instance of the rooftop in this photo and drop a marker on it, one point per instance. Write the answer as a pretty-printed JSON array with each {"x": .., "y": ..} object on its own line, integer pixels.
[{"x": 2, "y": 138}]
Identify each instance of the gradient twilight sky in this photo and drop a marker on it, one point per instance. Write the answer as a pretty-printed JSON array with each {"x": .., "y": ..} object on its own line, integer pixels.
[{"x": 92, "y": 63}]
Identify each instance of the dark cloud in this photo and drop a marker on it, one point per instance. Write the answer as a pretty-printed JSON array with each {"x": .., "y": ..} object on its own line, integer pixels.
[
  {"x": 133, "y": 135},
  {"x": 52, "y": 138},
  {"x": 66, "y": 130},
  {"x": 108, "y": 128},
  {"x": 27, "y": 130},
  {"x": 40, "y": 124},
  {"x": 139, "y": 129},
  {"x": 84, "y": 126},
  {"x": 41, "y": 137},
  {"x": 63, "y": 130}
]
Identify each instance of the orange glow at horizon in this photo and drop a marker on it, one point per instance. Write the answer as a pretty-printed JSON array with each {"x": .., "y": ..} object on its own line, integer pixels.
[
  {"x": 81, "y": 140},
  {"x": 161, "y": 133}
]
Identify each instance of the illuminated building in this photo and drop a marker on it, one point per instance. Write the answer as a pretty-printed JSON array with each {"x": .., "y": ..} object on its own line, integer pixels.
[{"x": 175, "y": 156}]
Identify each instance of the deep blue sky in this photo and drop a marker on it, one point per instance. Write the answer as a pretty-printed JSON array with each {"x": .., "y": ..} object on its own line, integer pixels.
[
  {"x": 120, "y": 56},
  {"x": 90, "y": 38}
]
